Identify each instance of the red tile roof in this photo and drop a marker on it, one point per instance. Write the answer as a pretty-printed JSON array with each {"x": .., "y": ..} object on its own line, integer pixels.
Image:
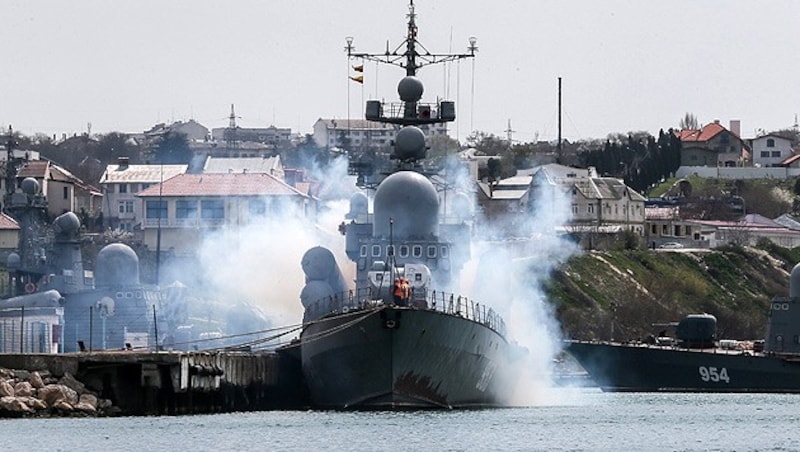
[
  {"x": 221, "y": 184},
  {"x": 791, "y": 159},
  {"x": 35, "y": 168},
  {"x": 708, "y": 132},
  {"x": 6, "y": 222}
]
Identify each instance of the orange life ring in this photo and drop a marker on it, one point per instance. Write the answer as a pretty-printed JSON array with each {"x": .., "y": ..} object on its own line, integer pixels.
[{"x": 30, "y": 287}]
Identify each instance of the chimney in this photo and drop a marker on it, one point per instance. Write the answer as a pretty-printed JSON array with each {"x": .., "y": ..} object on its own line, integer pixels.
[
  {"x": 736, "y": 127},
  {"x": 123, "y": 162}
]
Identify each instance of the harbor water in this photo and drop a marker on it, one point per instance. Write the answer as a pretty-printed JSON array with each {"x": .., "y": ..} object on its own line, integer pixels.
[{"x": 566, "y": 419}]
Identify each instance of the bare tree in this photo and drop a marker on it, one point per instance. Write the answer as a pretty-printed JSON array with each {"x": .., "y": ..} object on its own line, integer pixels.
[{"x": 689, "y": 122}]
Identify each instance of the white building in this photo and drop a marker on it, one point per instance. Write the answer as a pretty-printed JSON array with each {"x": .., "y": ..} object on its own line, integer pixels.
[
  {"x": 598, "y": 205},
  {"x": 330, "y": 133},
  {"x": 770, "y": 150},
  {"x": 121, "y": 182},
  {"x": 184, "y": 208}
]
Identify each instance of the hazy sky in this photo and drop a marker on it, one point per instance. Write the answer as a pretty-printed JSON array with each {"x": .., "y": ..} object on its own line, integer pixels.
[{"x": 625, "y": 65}]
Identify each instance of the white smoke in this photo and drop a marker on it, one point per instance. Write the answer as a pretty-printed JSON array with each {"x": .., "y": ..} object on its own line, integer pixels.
[
  {"x": 508, "y": 274},
  {"x": 259, "y": 262}
]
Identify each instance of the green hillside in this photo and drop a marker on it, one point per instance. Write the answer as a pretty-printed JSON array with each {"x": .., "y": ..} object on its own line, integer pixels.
[{"x": 634, "y": 289}]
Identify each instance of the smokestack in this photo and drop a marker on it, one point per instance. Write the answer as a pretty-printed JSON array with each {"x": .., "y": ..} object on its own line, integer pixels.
[
  {"x": 736, "y": 127},
  {"x": 123, "y": 162}
]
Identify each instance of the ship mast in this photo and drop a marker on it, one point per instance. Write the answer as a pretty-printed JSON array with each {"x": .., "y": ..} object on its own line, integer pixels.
[
  {"x": 409, "y": 58},
  {"x": 410, "y": 55}
]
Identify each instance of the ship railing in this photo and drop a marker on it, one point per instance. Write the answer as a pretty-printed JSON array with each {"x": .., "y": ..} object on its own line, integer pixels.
[
  {"x": 445, "y": 302},
  {"x": 462, "y": 306},
  {"x": 342, "y": 302}
]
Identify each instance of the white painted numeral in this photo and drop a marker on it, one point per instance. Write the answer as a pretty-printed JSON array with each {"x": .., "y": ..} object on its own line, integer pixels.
[{"x": 713, "y": 374}]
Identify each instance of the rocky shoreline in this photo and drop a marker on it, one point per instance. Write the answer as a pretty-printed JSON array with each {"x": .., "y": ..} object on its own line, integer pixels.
[{"x": 39, "y": 394}]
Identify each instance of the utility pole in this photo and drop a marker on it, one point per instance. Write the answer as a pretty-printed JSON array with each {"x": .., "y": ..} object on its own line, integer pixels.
[{"x": 558, "y": 148}]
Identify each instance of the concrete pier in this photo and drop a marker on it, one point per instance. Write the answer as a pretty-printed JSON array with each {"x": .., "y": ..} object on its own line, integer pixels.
[{"x": 154, "y": 383}]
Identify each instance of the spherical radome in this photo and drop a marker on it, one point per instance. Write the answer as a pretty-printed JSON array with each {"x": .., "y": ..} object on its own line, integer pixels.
[
  {"x": 67, "y": 223},
  {"x": 30, "y": 186},
  {"x": 410, "y": 89},
  {"x": 409, "y": 143},
  {"x": 117, "y": 265},
  {"x": 407, "y": 200}
]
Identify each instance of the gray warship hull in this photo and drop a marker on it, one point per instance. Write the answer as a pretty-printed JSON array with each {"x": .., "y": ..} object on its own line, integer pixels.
[
  {"x": 389, "y": 357},
  {"x": 650, "y": 368}
]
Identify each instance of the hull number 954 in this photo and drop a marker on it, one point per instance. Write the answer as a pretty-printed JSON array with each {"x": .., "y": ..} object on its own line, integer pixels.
[{"x": 714, "y": 374}]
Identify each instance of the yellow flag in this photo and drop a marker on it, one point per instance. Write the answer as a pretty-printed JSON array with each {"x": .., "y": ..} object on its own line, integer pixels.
[
  {"x": 357, "y": 78},
  {"x": 359, "y": 68}
]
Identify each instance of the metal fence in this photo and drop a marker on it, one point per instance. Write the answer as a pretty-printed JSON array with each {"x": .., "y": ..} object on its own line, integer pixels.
[{"x": 30, "y": 330}]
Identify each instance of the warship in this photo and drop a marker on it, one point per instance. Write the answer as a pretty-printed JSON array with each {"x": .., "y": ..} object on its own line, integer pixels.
[
  {"x": 696, "y": 361},
  {"x": 399, "y": 339}
]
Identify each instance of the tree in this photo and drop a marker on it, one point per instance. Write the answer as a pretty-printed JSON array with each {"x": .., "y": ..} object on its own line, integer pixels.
[
  {"x": 172, "y": 148},
  {"x": 689, "y": 122},
  {"x": 488, "y": 144},
  {"x": 112, "y": 146},
  {"x": 439, "y": 147}
]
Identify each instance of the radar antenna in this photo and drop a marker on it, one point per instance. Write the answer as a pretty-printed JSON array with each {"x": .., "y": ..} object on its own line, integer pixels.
[
  {"x": 409, "y": 142},
  {"x": 410, "y": 55}
]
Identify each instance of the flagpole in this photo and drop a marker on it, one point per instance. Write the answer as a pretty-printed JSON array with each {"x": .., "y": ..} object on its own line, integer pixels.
[{"x": 349, "y": 50}]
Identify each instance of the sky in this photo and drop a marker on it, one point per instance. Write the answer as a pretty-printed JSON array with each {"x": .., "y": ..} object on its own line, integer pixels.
[{"x": 625, "y": 65}]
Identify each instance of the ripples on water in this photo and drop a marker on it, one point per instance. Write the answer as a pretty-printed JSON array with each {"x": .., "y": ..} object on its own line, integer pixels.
[{"x": 571, "y": 419}]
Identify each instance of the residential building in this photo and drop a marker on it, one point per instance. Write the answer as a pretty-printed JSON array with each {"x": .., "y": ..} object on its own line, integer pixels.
[
  {"x": 274, "y": 136},
  {"x": 63, "y": 190},
  {"x": 598, "y": 205},
  {"x": 222, "y": 149},
  {"x": 121, "y": 182},
  {"x": 771, "y": 150},
  {"x": 713, "y": 145},
  {"x": 181, "y": 210},
  {"x": 664, "y": 224},
  {"x": 193, "y": 130},
  {"x": 9, "y": 237},
  {"x": 363, "y": 134},
  {"x": 748, "y": 231},
  {"x": 263, "y": 165}
]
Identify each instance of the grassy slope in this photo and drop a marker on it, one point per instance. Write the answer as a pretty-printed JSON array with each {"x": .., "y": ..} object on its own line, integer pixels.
[{"x": 640, "y": 288}]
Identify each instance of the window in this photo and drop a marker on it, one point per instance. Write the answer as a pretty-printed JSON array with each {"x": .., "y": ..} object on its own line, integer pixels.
[
  {"x": 66, "y": 192},
  {"x": 444, "y": 252},
  {"x": 403, "y": 250},
  {"x": 88, "y": 277},
  {"x": 212, "y": 209},
  {"x": 431, "y": 251},
  {"x": 590, "y": 208},
  {"x": 125, "y": 207},
  {"x": 776, "y": 153},
  {"x": 390, "y": 250},
  {"x": 416, "y": 251},
  {"x": 764, "y": 153},
  {"x": 770, "y": 142},
  {"x": 123, "y": 188},
  {"x": 376, "y": 250},
  {"x": 257, "y": 207},
  {"x": 156, "y": 209},
  {"x": 363, "y": 251},
  {"x": 186, "y": 209}
]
